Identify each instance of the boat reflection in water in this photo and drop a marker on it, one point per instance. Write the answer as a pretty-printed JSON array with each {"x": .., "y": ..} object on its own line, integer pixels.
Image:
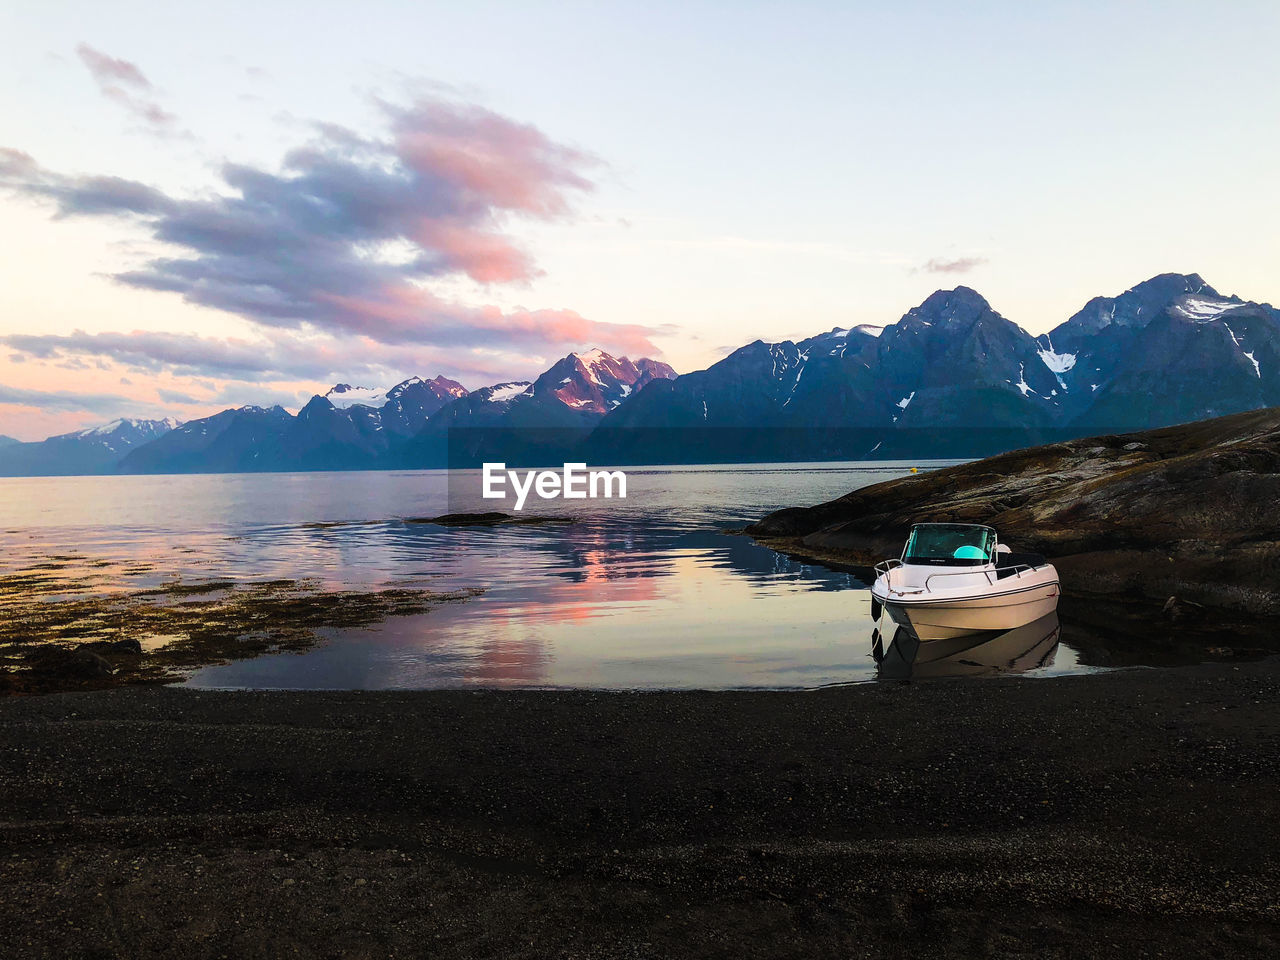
[{"x": 1028, "y": 647}]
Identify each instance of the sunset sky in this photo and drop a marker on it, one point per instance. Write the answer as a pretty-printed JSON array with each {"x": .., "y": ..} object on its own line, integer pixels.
[{"x": 210, "y": 205}]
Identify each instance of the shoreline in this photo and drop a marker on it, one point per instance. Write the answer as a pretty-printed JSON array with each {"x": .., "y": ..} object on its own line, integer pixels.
[
  {"x": 1183, "y": 513},
  {"x": 1120, "y": 813}
]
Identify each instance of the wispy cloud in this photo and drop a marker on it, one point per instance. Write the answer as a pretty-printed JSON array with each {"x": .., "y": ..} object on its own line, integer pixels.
[
  {"x": 278, "y": 357},
  {"x": 177, "y": 396},
  {"x": 124, "y": 83},
  {"x": 958, "y": 265},
  {"x": 350, "y": 235},
  {"x": 274, "y": 356},
  {"x": 67, "y": 401}
]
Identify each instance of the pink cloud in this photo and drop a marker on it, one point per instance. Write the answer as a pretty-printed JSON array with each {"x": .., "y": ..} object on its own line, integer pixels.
[
  {"x": 501, "y": 163},
  {"x": 108, "y": 69},
  {"x": 484, "y": 257},
  {"x": 958, "y": 265},
  {"x": 399, "y": 312},
  {"x": 123, "y": 82},
  {"x": 289, "y": 250},
  {"x": 17, "y": 164}
]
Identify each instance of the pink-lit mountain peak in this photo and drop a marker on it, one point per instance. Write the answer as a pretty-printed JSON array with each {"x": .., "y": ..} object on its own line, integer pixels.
[{"x": 596, "y": 382}]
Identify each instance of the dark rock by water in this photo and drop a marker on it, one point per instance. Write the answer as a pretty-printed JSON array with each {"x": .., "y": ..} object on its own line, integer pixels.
[
  {"x": 72, "y": 664},
  {"x": 1191, "y": 511}
]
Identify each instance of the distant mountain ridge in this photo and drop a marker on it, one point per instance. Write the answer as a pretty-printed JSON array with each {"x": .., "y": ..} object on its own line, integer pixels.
[
  {"x": 90, "y": 451},
  {"x": 951, "y": 377},
  {"x": 355, "y": 427}
]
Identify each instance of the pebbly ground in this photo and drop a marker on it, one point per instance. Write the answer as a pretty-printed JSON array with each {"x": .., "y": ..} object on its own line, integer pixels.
[{"x": 1127, "y": 814}]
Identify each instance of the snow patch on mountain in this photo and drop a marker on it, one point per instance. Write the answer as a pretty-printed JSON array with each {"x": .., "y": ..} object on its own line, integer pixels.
[
  {"x": 344, "y": 395},
  {"x": 624, "y": 392},
  {"x": 1201, "y": 310},
  {"x": 1248, "y": 353},
  {"x": 506, "y": 391},
  {"x": 1058, "y": 362},
  {"x": 1022, "y": 380}
]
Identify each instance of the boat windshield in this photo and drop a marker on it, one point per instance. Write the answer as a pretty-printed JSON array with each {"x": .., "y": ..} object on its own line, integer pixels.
[{"x": 950, "y": 544}]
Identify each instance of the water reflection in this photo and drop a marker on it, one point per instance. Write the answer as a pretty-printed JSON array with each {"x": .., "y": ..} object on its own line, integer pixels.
[
  {"x": 1029, "y": 647},
  {"x": 648, "y": 592},
  {"x": 590, "y": 606}
]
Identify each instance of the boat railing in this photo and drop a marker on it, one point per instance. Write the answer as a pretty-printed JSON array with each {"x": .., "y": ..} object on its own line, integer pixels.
[
  {"x": 992, "y": 573},
  {"x": 1015, "y": 571}
]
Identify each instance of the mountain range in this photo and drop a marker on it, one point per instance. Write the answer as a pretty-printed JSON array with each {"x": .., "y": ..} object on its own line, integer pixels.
[
  {"x": 347, "y": 428},
  {"x": 951, "y": 377},
  {"x": 95, "y": 450},
  {"x": 407, "y": 425}
]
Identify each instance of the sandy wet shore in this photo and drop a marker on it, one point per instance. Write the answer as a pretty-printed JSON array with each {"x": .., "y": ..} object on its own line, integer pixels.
[{"x": 1126, "y": 814}]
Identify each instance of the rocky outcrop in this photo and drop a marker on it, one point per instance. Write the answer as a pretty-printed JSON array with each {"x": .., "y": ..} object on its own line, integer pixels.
[{"x": 1191, "y": 511}]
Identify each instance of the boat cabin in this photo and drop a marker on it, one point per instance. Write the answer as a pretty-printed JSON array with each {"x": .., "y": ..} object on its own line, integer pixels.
[{"x": 950, "y": 545}]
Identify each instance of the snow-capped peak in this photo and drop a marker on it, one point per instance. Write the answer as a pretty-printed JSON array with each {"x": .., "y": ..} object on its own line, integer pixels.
[
  {"x": 122, "y": 433},
  {"x": 441, "y": 387},
  {"x": 839, "y": 333},
  {"x": 106, "y": 428},
  {"x": 129, "y": 423}
]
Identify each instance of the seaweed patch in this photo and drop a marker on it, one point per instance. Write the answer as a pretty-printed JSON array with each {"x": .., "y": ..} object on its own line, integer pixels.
[{"x": 62, "y": 632}]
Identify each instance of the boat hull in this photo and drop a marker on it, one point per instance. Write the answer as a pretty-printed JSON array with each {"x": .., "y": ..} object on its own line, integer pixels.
[{"x": 945, "y": 618}]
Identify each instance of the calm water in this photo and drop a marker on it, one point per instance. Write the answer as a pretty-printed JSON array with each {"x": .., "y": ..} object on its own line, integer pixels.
[{"x": 643, "y": 592}]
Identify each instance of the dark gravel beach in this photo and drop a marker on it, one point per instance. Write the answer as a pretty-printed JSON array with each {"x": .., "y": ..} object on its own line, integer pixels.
[{"x": 1121, "y": 815}]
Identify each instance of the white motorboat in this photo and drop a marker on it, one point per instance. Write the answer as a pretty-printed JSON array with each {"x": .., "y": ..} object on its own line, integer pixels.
[{"x": 957, "y": 579}]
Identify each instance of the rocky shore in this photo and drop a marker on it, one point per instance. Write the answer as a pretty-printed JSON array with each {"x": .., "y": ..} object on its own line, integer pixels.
[
  {"x": 1190, "y": 512},
  {"x": 68, "y": 623},
  {"x": 1126, "y": 814}
]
